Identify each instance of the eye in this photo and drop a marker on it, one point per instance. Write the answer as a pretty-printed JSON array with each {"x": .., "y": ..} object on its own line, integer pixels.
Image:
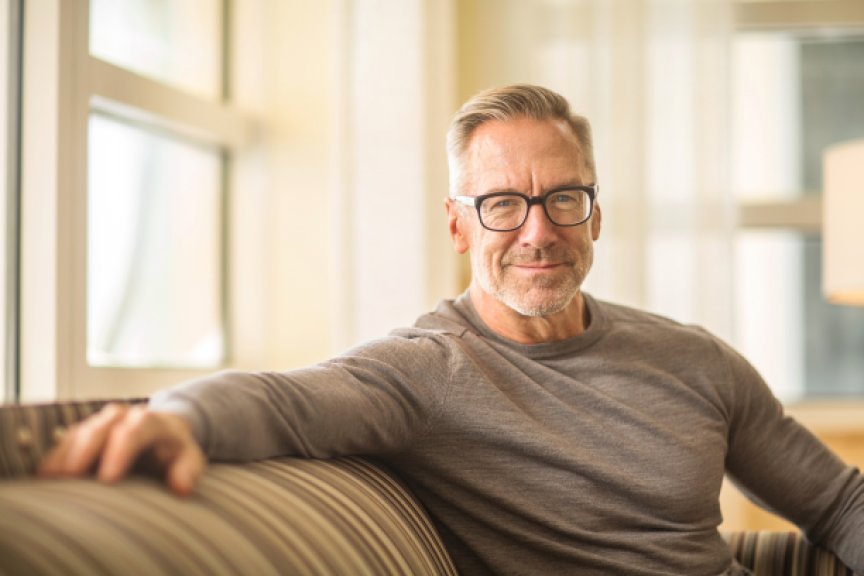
[
  {"x": 503, "y": 203},
  {"x": 560, "y": 199}
]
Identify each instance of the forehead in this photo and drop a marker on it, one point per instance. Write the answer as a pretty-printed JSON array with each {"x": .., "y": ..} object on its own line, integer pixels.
[{"x": 524, "y": 154}]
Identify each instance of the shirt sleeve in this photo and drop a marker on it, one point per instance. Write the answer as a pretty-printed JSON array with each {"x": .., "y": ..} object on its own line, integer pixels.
[
  {"x": 375, "y": 399},
  {"x": 784, "y": 468}
]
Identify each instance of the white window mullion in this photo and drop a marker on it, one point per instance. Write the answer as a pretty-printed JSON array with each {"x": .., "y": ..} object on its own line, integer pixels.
[
  {"x": 52, "y": 177},
  {"x": 119, "y": 92}
]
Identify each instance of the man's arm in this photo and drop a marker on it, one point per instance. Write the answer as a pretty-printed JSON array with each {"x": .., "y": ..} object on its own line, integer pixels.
[
  {"x": 374, "y": 399},
  {"x": 789, "y": 471}
]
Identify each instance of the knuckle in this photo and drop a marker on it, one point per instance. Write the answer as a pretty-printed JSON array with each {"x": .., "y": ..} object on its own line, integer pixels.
[
  {"x": 133, "y": 418},
  {"x": 112, "y": 411},
  {"x": 130, "y": 426},
  {"x": 138, "y": 413},
  {"x": 109, "y": 415}
]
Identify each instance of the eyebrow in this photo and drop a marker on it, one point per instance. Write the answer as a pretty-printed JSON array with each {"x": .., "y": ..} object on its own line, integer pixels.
[{"x": 507, "y": 190}]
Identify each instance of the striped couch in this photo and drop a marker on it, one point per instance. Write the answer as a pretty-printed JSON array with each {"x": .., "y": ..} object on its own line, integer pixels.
[{"x": 280, "y": 516}]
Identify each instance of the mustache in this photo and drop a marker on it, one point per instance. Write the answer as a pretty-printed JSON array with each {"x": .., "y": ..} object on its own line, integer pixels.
[{"x": 556, "y": 254}]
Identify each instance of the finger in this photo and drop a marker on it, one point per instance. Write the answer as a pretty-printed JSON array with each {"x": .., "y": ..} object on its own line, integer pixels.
[
  {"x": 126, "y": 441},
  {"x": 80, "y": 445},
  {"x": 184, "y": 472},
  {"x": 88, "y": 441},
  {"x": 51, "y": 463}
]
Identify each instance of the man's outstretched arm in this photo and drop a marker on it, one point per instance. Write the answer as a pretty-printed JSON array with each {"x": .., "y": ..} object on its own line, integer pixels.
[
  {"x": 113, "y": 439},
  {"x": 375, "y": 399}
]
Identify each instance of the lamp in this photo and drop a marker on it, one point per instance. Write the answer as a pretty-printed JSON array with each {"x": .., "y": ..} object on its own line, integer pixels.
[{"x": 843, "y": 223}]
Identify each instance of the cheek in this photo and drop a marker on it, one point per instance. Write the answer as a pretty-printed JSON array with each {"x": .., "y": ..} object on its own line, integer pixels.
[
  {"x": 494, "y": 246},
  {"x": 579, "y": 236}
]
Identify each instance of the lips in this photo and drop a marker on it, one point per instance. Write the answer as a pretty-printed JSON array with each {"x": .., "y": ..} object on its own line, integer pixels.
[
  {"x": 537, "y": 264},
  {"x": 538, "y": 267}
]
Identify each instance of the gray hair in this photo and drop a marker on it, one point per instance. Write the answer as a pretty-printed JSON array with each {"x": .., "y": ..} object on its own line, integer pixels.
[{"x": 508, "y": 103}]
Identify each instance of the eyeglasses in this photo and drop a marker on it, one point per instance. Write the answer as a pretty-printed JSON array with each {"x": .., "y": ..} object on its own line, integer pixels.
[{"x": 507, "y": 211}]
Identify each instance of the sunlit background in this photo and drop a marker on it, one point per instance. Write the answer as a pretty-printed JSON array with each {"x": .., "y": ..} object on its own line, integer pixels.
[{"x": 710, "y": 121}]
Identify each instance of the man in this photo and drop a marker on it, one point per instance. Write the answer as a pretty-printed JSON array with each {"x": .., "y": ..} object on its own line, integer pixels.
[{"x": 545, "y": 431}]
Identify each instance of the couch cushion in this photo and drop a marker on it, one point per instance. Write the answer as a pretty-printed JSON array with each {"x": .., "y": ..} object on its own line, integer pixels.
[
  {"x": 281, "y": 516},
  {"x": 783, "y": 554}
]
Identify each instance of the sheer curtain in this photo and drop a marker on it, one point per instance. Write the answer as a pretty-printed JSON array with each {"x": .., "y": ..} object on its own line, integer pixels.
[
  {"x": 652, "y": 75},
  {"x": 393, "y": 98}
]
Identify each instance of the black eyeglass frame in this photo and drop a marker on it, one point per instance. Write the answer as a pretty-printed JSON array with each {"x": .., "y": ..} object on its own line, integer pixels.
[{"x": 593, "y": 190}]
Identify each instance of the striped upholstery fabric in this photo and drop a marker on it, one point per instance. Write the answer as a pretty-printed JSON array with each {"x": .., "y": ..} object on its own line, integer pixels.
[
  {"x": 281, "y": 516},
  {"x": 26, "y": 432},
  {"x": 783, "y": 554}
]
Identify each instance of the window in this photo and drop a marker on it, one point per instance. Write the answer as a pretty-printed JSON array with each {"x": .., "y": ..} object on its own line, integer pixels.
[
  {"x": 797, "y": 90},
  {"x": 257, "y": 122},
  {"x": 129, "y": 137},
  {"x": 154, "y": 248},
  {"x": 178, "y": 42}
]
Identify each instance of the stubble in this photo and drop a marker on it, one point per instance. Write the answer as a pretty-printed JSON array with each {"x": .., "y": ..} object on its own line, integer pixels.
[{"x": 544, "y": 294}]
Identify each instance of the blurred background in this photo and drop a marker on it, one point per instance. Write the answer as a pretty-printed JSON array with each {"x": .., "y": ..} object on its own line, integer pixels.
[{"x": 192, "y": 185}]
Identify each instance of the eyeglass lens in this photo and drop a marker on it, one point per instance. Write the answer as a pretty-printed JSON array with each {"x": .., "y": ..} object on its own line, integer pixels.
[{"x": 508, "y": 211}]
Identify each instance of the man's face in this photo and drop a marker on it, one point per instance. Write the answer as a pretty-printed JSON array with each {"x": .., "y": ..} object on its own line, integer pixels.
[{"x": 537, "y": 269}]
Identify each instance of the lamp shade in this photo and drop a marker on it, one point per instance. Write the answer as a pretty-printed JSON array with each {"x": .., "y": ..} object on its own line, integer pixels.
[{"x": 843, "y": 223}]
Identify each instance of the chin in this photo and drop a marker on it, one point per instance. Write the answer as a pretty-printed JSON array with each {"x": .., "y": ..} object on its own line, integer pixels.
[
  {"x": 537, "y": 297},
  {"x": 539, "y": 306}
]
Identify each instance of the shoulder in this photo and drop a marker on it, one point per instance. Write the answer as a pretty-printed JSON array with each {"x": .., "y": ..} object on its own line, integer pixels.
[
  {"x": 629, "y": 326},
  {"x": 618, "y": 315},
  {"x": 431, "y": 342},
  {"x": 446, "y": 319}
]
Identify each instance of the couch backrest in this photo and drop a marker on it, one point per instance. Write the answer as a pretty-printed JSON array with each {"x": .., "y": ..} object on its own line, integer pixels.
[{"x": 28, "y": 431}]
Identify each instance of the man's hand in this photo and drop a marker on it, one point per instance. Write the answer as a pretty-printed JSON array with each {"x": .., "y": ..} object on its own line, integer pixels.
[{"x": 117, "y": 435}]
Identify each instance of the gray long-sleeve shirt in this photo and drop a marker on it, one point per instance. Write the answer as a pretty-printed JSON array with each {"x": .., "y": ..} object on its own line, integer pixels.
[{"x": 600, "y": 454}]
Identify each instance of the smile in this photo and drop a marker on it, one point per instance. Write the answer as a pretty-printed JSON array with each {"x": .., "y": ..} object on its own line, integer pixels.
[{"x": 537, "y": 267}]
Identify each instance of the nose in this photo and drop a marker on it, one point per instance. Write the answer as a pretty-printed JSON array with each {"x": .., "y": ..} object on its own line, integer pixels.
[{"x": 537, "y": 231}]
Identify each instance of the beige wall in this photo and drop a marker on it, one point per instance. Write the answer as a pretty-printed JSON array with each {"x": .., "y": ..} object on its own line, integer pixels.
[{"x": 345, "y": 228}]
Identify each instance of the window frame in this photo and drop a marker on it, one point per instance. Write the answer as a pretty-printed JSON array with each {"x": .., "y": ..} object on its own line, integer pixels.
[
  {"x": 62, "y": 84},
  {"x": 10, "y": 108}
]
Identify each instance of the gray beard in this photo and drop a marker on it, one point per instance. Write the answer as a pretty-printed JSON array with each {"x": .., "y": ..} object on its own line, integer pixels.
[{"x": 508, "y": 292}]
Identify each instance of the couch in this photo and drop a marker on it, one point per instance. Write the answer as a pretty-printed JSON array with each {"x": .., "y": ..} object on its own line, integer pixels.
[{"x": 280, "y": 516}]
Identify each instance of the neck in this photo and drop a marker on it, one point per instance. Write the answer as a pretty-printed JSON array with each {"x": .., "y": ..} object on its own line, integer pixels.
[{"x": 569, "y": 322}]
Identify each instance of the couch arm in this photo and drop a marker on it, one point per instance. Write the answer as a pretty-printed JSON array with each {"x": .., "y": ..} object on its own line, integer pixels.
[
  {"x": 280, "y": 516},
  {"x": 783, "y": 554},
  {"x": 28, "y": 431}
]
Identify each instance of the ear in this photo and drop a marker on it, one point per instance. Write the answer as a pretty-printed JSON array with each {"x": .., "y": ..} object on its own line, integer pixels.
[
  {"x": 456, "y": 226},
  {"x": 596, "y": 218}
]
